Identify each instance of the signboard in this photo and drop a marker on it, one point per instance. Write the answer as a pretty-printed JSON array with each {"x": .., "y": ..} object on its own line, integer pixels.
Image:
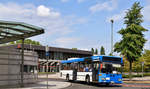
[
  {"x": 142, "y": 63},
  {"x": 47, "y": 50},
  {"x": 112, "y": 59}
]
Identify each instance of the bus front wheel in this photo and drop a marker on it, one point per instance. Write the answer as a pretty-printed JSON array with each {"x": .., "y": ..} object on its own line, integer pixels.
[
  {"x": 107, "y": 84},
  {"x": 87, "y": 80}
]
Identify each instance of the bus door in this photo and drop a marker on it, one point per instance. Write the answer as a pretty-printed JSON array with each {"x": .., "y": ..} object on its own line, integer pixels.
[
  {"x": 75, "y": 72},
  {"x": 95, "y": 71}
]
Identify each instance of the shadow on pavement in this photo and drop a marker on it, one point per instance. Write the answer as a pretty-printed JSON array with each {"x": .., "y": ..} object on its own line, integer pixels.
[{"x": 96, "y": 84}]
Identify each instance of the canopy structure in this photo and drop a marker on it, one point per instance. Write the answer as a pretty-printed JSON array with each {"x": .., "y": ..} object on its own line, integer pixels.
[{"x": 12, "y": 31}]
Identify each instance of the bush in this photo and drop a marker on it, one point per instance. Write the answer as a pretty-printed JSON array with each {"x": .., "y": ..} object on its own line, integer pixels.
[
  {"x": 46, "y": 72},
  {"x": 139, "y": 75},
  {"x": 146, "y": 74},
  {"x": 125, "y": 76}
]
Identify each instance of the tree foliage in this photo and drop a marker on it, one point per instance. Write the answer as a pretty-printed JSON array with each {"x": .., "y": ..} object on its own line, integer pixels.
[
  {"x": 27, "y": 41},
  {"x": 74, "y": 49},
  {"x": 132, "y": 43},
  {"x": 96, "y": 51},
  {"x": 92, "y": 50},
  {"x": 146, "y": 59},
  {"x": 102, "y": 51}
]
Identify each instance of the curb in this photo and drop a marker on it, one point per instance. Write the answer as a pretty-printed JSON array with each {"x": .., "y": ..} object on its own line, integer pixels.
[
  {"x": 137, "y": 82},
  {"x": 67, "y": 86}
]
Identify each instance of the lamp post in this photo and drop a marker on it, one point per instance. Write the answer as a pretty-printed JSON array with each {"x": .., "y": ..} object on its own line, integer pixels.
[
  {"x": 22, "y": 64},
  {"x": 47, "y": 55},
  {"x": 142, "y": 68},
  {"x": 112, "y": 21}
]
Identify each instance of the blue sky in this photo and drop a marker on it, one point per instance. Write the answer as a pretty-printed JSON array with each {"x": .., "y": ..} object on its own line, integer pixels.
[{"x": 81, "y": 24}]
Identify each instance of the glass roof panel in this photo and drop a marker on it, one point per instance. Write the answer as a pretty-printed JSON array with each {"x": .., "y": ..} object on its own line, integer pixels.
[
  {"x": 3, "y": 34},
  {"x": 12, "y": 31},
  {"x": 23, "y": 28},
  {"x": 1, "y": 37},
  {"x": 31, "y": 26}
]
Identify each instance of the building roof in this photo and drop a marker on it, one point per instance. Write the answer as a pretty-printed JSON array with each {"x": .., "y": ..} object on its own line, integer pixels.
[
  {"x": 12, "y": 31},
  {"x": 52, "y": 49}
]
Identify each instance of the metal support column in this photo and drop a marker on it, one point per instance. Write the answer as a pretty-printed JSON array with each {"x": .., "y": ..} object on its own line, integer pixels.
[
  {"x": 112, "y": 21},
  {"x": 22, "y": 63}
]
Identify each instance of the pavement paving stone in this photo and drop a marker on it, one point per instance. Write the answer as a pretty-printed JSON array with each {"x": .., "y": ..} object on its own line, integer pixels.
[{"x": 43, "y": 85}]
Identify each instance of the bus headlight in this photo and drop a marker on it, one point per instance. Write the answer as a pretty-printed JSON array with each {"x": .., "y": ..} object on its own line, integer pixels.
[
  {"x": 103, "y": 78},
  {"x": 107, "y": 78}
]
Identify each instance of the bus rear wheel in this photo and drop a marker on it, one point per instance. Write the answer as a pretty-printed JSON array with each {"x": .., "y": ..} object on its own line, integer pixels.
[
  {"x": 87, "y": 80},
  {"x": 67, "y": 77}
]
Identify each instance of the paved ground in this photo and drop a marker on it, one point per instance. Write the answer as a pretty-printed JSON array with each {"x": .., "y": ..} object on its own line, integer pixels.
[
  {"x": 52, "y": 84},
  {"x": 56, "y": 83},
  {"x": 82, "y": 85}
]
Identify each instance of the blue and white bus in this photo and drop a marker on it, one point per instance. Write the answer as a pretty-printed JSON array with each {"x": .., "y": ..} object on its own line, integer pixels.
[{"x": 98, "y": 69}]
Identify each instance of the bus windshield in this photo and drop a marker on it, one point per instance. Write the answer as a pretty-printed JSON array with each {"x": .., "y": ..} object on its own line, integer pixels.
[{"x": 111, "y": 68}]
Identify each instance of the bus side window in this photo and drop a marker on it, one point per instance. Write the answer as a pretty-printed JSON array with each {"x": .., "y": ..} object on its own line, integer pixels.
[{"x": 80, "y": 67}]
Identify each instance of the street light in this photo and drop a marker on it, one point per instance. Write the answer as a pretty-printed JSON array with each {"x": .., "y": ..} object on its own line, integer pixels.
[
  {"x": 47, "y": 55},
  {"x": 142, "y": 68},
  {"x": 112, "y": 21}
]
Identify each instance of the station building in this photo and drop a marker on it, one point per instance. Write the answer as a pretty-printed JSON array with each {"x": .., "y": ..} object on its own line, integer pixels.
[
  {"x": 56, "y": 54},
  {"x": 17, "y": 66}
]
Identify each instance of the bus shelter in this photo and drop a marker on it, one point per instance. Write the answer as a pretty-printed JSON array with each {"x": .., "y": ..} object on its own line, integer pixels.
[{"x": 13, "y": 31}]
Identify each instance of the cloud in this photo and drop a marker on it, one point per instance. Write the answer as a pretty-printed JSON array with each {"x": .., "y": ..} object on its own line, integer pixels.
[
  {"x": 44, "y": 11},
  {"x": 52, "y": 21},
  {"x": 147, "y": 45},
  {"x": 66, "y": 41},
  {"x": 81, "y": 20},
  {"x": 64, "y": 0},
  {"x": 80, "y": 1},
  {"x": 117, "y": 17},
  {"x": 146, "y": 13},
  {"x": 109, "y": 5}
]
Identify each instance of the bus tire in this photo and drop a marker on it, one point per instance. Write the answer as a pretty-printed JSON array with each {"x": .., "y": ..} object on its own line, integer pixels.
[
  {"x": 107, "y": 84},
  {"x": 67, "y": 77},
  {"x": 87, "y": 79}
]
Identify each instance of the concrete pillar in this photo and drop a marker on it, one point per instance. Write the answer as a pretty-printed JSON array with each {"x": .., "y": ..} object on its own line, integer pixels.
[
  {"x": 43, "y": 69},
  {"x": 50, "y": 67},
  {"x": 59, "y": 66},
  {"x": 28, "y": 68},
  {"x": 47, "y": 67}
]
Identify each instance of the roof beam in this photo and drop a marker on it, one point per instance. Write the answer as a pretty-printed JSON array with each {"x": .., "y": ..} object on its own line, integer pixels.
[
  {"x": 21, "y": 24},
  {"x": 7, "y": 32},
  {"x": 12, "y": 31},
  {"x": 15, "y": 29},
  {"x": 18, "y": 37}
]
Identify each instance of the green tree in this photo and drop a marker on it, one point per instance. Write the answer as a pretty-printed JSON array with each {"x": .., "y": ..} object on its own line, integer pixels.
[
  {"x": 96, "y": 51},
  {"x": 146, "y": 59},
  {"x": 74, "y": 49},
  {"x": 131, "y": 45},
  {"x": 11, "y": 42},
  {"x": 26, "y": 41},
  {"x": 102, "y": 51},
  {"x": 110, "y": 54},
  {"x": 92, "y": 50}
]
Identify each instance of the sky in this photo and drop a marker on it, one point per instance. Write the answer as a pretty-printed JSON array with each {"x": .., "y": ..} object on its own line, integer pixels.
[{"x": 82, "y": 24}]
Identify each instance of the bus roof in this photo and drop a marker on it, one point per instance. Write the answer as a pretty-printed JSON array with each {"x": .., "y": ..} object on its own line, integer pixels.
[
  {"x": 73, "y": 60},
  {"x": 101, "y": 58}
]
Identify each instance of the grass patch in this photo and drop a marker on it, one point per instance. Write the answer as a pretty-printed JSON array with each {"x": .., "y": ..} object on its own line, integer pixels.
[
  {"x": 46, "y": 72},
  {"x": 139, "y": 75}
]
